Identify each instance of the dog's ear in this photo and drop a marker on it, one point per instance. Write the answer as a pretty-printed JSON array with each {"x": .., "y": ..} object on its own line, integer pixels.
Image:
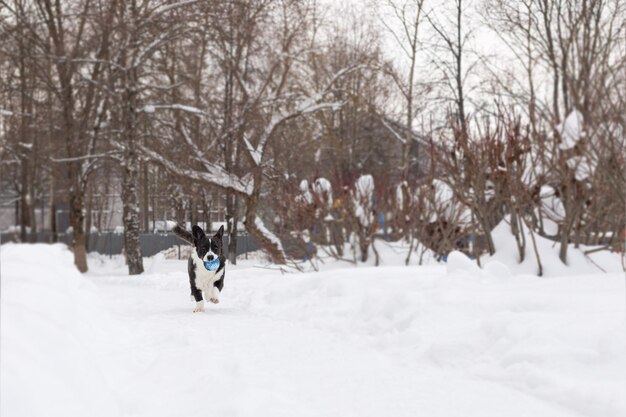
[
  {"x": 197, "y": 232},
  {"x": 220, "y": 232}
]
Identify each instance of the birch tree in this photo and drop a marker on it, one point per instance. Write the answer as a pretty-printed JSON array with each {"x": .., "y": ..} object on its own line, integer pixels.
[{"x": 140, "y": 30}]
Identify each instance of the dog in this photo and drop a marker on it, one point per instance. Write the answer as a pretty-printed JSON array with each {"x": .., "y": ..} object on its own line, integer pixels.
[{"x": 204, "y": 278}]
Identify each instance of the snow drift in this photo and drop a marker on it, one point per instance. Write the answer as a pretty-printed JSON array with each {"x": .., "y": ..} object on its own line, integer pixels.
[
  {"x": 51, "y": 328},
  {"x": 421, "y": 340}
]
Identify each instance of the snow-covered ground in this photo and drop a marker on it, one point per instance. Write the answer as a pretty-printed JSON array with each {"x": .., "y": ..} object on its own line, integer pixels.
[{"x": 429, "y": 340}]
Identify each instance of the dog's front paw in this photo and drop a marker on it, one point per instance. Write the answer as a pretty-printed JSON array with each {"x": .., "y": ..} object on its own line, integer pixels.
[
  {"x": 199, "y": 307},
  {"x": 215, "y": 293}
]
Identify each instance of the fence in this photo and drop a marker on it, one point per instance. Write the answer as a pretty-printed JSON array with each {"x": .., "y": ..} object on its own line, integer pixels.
[{"x": 111, "y": 243}]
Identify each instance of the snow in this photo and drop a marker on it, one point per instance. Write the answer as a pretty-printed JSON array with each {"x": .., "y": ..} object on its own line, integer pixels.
[
  {"x": 400, "y": 193},
  {"x": 582, "y": 166},
  {"x": 305, "y": 195},
  {"x": 433, "y": 340},
  {"x": 444, "y": 199},
  {"x": 546, "y": 191},
  {"x": 256, "y": 154},
  {"x": 213, "y": 173},
  {"x": 215, "y": 226},
  {"x": 16, "y": 229},
  {"x": 163, "y": 225},
  {"x": 552, "y": 205},
  {"x": 364, "y": 186},
  {"x": 321, "y": 186},
  {"x": 52, "y": 326},
  {"x": 318, "y": 155},
  {"x": 457, "y": 261},
  {"x": 490, "y": 191},
  {"x": 168, "y": 225},
  {"x": 150, "y": 108},
  {"x": 571, "y": 130},
  {"x": 578, "y": 262},
  {"x": 265, "y": 231},
  {"x": 445, "y": 205},
  {"x": 364, "y": 199}
]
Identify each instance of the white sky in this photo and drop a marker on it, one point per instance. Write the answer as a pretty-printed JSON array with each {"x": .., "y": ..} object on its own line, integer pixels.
[{"x": 484, "y": 42}]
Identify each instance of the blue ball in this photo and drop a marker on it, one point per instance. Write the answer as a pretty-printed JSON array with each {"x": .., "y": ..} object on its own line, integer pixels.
[{"x": 212, "y": 265}]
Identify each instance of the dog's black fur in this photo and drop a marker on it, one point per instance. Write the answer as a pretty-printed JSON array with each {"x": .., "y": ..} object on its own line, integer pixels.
[{"x": 206, "y": 249}]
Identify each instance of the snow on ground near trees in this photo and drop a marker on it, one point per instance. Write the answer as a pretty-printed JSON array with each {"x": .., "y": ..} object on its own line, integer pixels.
[
  {"x": 577, "y": 261},
  {"x": 431, "y": 340}
]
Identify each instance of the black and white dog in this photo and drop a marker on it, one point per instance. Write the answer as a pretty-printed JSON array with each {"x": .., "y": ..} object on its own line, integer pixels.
[{"x": 206, "y": 266}]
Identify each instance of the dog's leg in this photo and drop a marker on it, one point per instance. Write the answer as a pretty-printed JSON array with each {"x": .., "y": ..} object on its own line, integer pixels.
[
  {"x": 217, "y": 288},
  {"x": 197, "y": 295},
  {"x": 215, "y": 295},
  {"x": 195, "y": 292}
]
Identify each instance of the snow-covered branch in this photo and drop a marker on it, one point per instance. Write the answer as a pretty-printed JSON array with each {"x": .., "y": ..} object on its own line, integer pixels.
[
  {"x": 271, "y": 236},
  {"x": 395, "y": 134},
  {"x": 144, "y": 52},
  {"x": 84, "y": 157},
  {"x": 214, "y": 174},
  {"x": 306, "y": 106},
  {"x": 150, "y": 108},
  {"x": 166, "y": 8}
]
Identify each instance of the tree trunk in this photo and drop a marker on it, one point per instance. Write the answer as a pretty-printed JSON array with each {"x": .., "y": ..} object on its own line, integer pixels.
[
  {"x": 25, "y": 110},
  {"x": 32, "y": 188},
  {"x": 273, "y": 249},
  {"x": 268, "y": 243},
  {"x": 132, "y": 247},
  {"x": 232, "y": 203},
  {"x": 337, "y": 236},
  {"x": 54, "y": 234},
  {"x": 130, "y": 183},
  {"x": 145, "y": 198},
  {"x": 232, "y": 240},
  {"x": 518, "y": 232},
  {"x": 88, "y": 220},
  {"x": 364, "y": 245},
  {"x": 25, "y": 202},
  {"x": 485, "y": 225},
  {"x": 77, "y": 190},
  {"x": 77, "y": 219},
  {"x": 459, "y": 68},
  {"x": 564, "y": 242}
]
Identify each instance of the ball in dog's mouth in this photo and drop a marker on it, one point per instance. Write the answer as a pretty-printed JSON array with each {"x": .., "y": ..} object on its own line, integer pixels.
[{"x": 212, "y": 265}]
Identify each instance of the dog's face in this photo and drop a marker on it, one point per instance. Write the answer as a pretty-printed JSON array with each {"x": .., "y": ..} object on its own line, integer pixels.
[{"x": 207, "y": 248}]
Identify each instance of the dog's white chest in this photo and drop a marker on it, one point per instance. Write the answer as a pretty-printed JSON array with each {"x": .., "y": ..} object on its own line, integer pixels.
[{"x": 205, "y": 278}]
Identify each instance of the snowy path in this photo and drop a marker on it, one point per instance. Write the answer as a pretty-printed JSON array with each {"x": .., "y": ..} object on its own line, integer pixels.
[
  {"x": 342, "y": 343},
  {"x": 230, "y": 361}
]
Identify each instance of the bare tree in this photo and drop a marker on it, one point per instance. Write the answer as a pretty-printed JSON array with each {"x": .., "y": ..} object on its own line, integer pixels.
[
  {"x": 451, "y": 54},
  {"x": 232, "y": 33},
  {"x": 64, "y": 42},
  {"x": 272, "y": 97},
  {"x": 139, "y": 31},
  {"x": 20, "y": 115},
  {"x": 404, "y": 25}
]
